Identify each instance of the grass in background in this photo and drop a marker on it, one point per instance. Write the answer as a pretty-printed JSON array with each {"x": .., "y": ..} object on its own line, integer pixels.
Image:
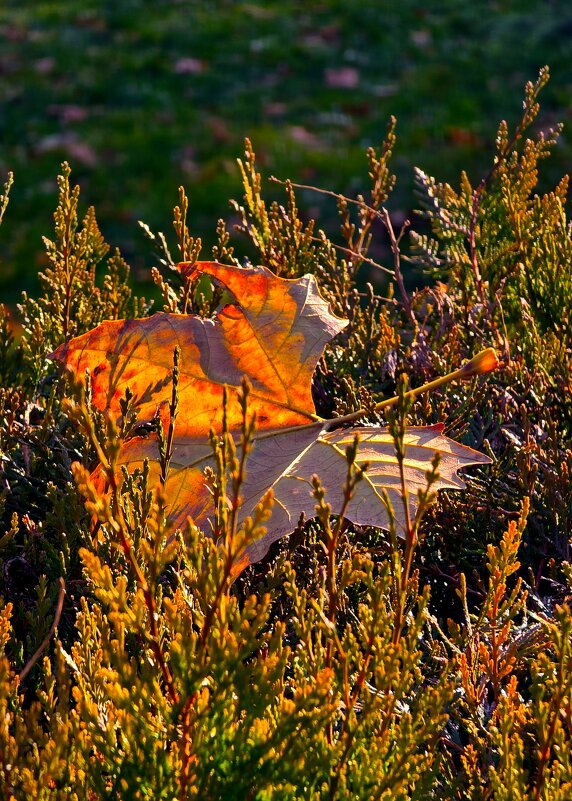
[{"x": 141, "y": 97}]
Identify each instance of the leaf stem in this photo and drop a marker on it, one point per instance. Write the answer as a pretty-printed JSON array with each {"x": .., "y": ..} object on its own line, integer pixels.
[{"x": 483, "y": 362}]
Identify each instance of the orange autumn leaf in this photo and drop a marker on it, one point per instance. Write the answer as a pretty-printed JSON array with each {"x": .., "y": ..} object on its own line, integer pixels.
[
  {"x": 274, "y": 335},
  {"x": 273, "y": 331}
]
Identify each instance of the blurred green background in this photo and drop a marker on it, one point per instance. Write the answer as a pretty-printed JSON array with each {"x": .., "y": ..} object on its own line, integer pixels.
[{"x": 144, "y": 95}]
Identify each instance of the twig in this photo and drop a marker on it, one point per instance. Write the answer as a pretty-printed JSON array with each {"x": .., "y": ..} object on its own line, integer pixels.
[
  {"x": 173, "y": 410},
  {"x": 411, "y": 534},
  {"x": 45, "y": 642},
  {"x": 337, "y": 195},
  {"x": 353, "y": 253},
  {"x": 186, "y": 755},
  {"x": 382, "y": 215},
  {"x": 394, "y": 242}
]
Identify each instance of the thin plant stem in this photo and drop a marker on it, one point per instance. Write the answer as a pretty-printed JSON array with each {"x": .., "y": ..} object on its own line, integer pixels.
[
  {"x": 173, "y": 410},
  {"x": 44, "y": 644},
  {"x": 394, "y": 242},
  {"x": 356, "y": 255}
]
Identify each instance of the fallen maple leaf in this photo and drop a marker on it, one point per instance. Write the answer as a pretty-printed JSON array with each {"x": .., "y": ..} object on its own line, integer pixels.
[{"x": 273, "y": 332}]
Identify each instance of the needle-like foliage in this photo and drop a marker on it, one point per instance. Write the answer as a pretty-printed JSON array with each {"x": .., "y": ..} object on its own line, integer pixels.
[{"x": 142, "y": 661}]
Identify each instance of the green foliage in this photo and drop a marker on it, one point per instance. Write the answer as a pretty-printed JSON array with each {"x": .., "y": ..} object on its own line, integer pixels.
[
  {"x": 503, "y": 242},
  {"x": 349, "y": 664},
  {"x": 72, "y": 302},
  {"x": 145, "y": 96}
]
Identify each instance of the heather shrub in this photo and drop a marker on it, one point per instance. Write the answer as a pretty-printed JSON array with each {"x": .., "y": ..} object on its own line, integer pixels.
[{"x": 141, "y": 661}]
